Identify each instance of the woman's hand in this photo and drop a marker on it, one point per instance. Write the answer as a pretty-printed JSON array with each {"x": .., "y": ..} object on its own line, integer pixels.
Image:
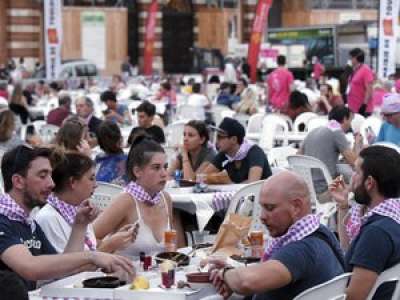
[
  {"x": 86, "y": 214},
  {"x": 121, "y": 239}
]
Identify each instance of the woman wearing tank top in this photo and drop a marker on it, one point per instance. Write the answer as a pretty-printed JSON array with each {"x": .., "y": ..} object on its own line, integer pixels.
[{"x": 142, "y": 202}]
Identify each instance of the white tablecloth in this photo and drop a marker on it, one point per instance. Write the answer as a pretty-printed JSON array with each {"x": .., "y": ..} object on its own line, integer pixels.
[{"x": 200, "y": 204}]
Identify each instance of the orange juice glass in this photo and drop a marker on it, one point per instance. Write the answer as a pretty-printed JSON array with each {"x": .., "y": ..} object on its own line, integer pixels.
[
  {"x": 257, "y": 243},
  {"x": 170, "y": 240}
]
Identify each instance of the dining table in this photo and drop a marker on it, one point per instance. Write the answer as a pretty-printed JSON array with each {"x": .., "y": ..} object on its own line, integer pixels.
[{"x": 202, "y": 204}]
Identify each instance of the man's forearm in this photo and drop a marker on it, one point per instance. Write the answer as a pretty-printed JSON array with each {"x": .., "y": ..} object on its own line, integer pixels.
[{"x": 218, "y": 178}]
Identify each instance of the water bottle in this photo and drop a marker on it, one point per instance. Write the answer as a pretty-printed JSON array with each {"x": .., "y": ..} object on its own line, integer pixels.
[{"x": 178, "y": 176}]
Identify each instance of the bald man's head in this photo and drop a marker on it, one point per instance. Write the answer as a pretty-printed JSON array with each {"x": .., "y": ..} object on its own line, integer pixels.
[{"x": 284, "y": 198}]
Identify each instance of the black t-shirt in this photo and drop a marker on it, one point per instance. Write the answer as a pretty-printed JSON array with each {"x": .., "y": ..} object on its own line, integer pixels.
[
  {"x": 16, "y": 233},
  {"x": 255, "y": 158},
  {"x": 154, "y": 131},
  {"x": 376, "y": 248}
]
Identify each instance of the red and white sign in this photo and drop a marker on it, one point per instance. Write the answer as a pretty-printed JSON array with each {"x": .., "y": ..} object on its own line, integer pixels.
[
  {"x": 388, "y": 30},
  {"x": 149, "y": 38},
  {"x": 53, "y": 37},
  {"x": 259, "y": 25}
]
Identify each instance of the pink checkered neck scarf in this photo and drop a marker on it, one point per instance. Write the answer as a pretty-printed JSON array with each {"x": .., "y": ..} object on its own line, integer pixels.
[
  {"x": 298, "y": 231},
  {"x": 334, "y": 125},
  {"x": 137, "y": 192},
  {"x": 68, "y": 212},
  {"x": 389, "y": 208},
  {"x": 240, "y": 154},
  {"x": 14, "y": 212}
]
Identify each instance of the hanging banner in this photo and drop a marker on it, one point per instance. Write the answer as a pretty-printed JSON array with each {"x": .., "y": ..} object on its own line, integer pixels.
[
  {"x": 260, "y": 24},
  {"x": 53, "y": 37},
  {"x": 149, "y": 38},
  {"x": 388, "y": 28},
  {"x": 93, "y": 37}
]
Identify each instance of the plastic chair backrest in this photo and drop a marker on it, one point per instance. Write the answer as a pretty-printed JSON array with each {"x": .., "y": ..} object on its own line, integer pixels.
[
  {"x": 248, "y": 190},
  {"x": 48, "y": 132},
  {"x": 254, "y": 124},
  {"x": 302, "y": 165},
  {"x": 391, "y": 274},
  {"x": 272, "y": 124},
  {"x": 316, "y": 122},
  {"x": 357, "y": 122},
  {"x": 373, "y": 123},
  {"x": 217, "y": 110},
  {"x": 104, "y": 193},
  {"x": 190, "y": 112},
  {"x": 174, "y": 134},
  {"x": 277, "y": 157},
  {"x": 333, "y": 289},
  {"x": 303, "y": 118}
]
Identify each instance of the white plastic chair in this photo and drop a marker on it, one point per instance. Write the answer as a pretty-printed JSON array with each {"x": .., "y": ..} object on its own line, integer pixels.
[
  {"x": 302, "y": 165},
  {"x": 373, "y": 123},
  {"x": 333, "y": 289},
  {"x": 190, "y": 112},
  {"x": 277, "y": 157},
  {"x": 174, "y": 133},
  {"x": 104, "y": 193},
  {"x": 48, "y": 132},
  {"x": 392, "y": 274},
  {"x": 254, "y": 124},
  {"x": 271, "y": 125},
  {"x": 356, "y": 123},
  {"x": 303, "y": 119},
  {"x": 217, "y": 110},
  {"x": 317, "y": 122},
  {"x": 254, "y": 190}
]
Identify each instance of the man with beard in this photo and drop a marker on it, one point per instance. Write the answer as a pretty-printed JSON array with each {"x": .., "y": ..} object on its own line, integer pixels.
[
  {"x": 24, "y": 249},
  {"x": 301, "y": 254},
  {"x": 372, "y": 227}
]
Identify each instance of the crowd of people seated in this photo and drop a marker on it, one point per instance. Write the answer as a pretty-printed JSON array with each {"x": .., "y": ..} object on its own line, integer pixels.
[{"x": 47, "y": 218}]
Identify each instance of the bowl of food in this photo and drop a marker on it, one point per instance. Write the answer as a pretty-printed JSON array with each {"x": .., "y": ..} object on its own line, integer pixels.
[
  {"x": 198, "y": 277},
  {"x": 179, "y": 258},
  {"x": 186, "y": 183},
  {"x": 103, "y": 282}
]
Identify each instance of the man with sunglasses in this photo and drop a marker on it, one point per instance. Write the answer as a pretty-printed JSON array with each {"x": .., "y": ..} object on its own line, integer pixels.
[
  {"x": 24, "y": 249},
  {"x": 238, "y": 160},
  {"x": 390, "y": 129}
]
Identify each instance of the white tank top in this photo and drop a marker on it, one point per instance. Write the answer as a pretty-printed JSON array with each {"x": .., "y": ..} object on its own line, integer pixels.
[{"x": 145, "y": 239}]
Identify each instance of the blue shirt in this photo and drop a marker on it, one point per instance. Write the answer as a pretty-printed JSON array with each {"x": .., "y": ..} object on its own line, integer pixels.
[
  {"x": 16, "y": 233},
  {"x": 389, "y": 133},
  {"x": 310, "y": 261},
  {"x": 376, "y": 248},
  {"x": 111, "y": 168}
]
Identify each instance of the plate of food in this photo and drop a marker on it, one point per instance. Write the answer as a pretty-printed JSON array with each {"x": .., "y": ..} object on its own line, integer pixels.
[
  {"x": 103, "y": 282},
  {"x": 186, "y": 183},
  {"x": 180, "y": 258}
]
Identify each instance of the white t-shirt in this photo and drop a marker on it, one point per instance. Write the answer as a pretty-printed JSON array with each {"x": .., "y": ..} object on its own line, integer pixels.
[{"x": 56, "y": 229}]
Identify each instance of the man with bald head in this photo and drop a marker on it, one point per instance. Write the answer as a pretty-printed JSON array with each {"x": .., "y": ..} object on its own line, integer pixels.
[{"x": 301, "y": 254}]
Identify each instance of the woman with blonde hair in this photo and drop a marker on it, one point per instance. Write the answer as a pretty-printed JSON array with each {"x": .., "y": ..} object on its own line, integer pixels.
[{"x": 73, "y": 135}]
